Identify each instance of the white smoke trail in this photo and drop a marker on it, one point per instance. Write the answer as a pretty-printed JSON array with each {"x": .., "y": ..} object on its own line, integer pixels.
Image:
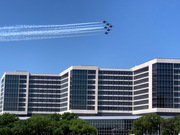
[
  {"x": 48, "y": 32},
  {"x": 48, "y": 26},
  {"x": 33, "y": 32},
  {"x": 52, "y": 37}
]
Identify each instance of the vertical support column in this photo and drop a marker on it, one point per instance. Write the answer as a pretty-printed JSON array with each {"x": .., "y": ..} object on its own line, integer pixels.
[
  {"x": 150, "y": 87},
  {"x": 27, "y": 93},
  {"x": 69, "y": 85},
  {"x": 96, "y": 90}
]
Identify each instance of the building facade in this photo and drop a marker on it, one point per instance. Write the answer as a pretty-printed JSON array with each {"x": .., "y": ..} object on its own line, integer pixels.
[{"x": 111, "y": 96}]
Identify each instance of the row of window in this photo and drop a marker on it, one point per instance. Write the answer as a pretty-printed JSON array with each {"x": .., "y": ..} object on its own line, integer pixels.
[
  {"x": 43, "y": 95},
  {"x": 140, "y": 91},
  {"x": 63, "y": 100},
  {"x": 64, "y": 85},
  {"x": 141, "y": 107},
  {"x": 22, "y": 90},
  {"x": 116, "y": 72},
  {"x": 141, "y": 102},
  {"x": 141, "y": 86},
  {"x": 43, "y": 100},
  {"x": 176, "y": 82},
  {"x": 63, "y": 104},
  {"x": 63, "y": 109},
  {"x": 141, "y": 81},
  {"x": 15, "y": 81},
  {"x": 116, "y": 77},
  {"x": 113, "y": 103},
  {"x": 141, "y": 97},
  {"x": 82, "y": 77},
  {"x": 15, "y": 77},
  {"x": 115, "y": 108},
  {"x": 176, "y": 65},
  {"x": 91, "y": 71},
  {"x": 141, "y": 76},
  {"x": 43, "y": 91},
  {"x": 81, "y": 87},
  {"x": 176, "y": 105},
  {"x": 22, "y": 99},
  {"x": 141, "y": 70},
  {"x": 64, "y": 95},
  {"x": 177, "y": 88},
  {"x": 22, "y": 104},
  {"x": 113, "y": 98},
  {"x": 45, "y": 77},
  {"x": 44, "y": 82},
  {"x": 115, "y": 88},
  {"x": 114, "y": 93},
  {"x": 64, "y": 76},
  {"x": 176, "y": 94},
  {"x": 116, "y": 82},
  {"x": 91, "y": 92},
  {"x": 91, "y": 82},
  {"x": 176, "y": 99},
  {"x": 90, "y": 102},
  {"x": 43, "y": 105},
  {"x": 44, "y": 109},
  {"x": 76, "y": 71},
  {"x": 45, "y": 86},
  {"x": 176, "y": 71},
  {"x": 90, "y": 107},
  {"x": 64, "y": 81},
  {"x": 22, "y": 95},
  {"x": 21, "y": 109},
  {"x": 64, "y": 90}
]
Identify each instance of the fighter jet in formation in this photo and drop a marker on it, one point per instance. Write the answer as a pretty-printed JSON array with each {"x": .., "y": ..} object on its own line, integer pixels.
[{"x": 107, "y": 26}]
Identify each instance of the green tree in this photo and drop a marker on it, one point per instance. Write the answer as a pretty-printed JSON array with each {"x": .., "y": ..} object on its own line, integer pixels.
[
  {"x": 177, "y": 126},
  {"x": 64, "y": 125},
  {"x": 177, "y": 123},
  {"x": 138, "y": 127},
  {"x": 38, "y": 124},
  {"x": 55, "y": 117},
  {"x": 55, "y": 124},
  {"x": 7, "y": 120},
  {"x": 71, "y": 124},
  {"x": 149, "y": 123},
  {"x": 58, "y": 131},
  {"x": 152, "y": 123},
  {"x": 20, "y": 128},
  {"x": 168, "y": 127},
  {"x": 5, "y": 131},
  {"x": 69, "y": 116}
]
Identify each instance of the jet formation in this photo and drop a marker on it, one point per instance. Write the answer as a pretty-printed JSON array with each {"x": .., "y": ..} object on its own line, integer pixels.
[{"x": 107, "y": 26}]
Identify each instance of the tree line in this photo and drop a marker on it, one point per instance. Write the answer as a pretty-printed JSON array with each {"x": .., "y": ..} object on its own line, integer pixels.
[
  {"x": 153, "y": 123},
  {"x": 53, "y": 124}
]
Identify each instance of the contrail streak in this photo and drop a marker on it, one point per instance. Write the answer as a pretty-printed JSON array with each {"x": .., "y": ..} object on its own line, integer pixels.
[
  {"x": 34, "y": 32},
  {"x": 52, "y": 37},
  {"x": 43, "y": 26}
]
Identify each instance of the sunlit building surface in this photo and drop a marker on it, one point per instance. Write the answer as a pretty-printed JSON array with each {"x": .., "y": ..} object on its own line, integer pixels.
[{"x": 109, "y": 99}]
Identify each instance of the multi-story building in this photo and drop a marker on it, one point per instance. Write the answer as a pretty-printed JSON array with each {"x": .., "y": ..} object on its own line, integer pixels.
[{"x": 110, "y": 99}]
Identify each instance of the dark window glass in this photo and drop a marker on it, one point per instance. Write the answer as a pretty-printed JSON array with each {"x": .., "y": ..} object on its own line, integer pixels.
[
  {"x": 140, "y": 91},
  {"x": 79, "y": 88},
  {"x": 141, "y": 97},
  {"x": 141, "y": 70},
  {"x": 162, "y": 85},
  {"x": 91, "y": 71},
  {"x": 141, "y": 107},
  {"x": 141, "y": 102}
]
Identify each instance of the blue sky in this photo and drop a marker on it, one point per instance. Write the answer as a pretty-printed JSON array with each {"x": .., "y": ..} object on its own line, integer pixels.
[{"x": 144, "y": 30}]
